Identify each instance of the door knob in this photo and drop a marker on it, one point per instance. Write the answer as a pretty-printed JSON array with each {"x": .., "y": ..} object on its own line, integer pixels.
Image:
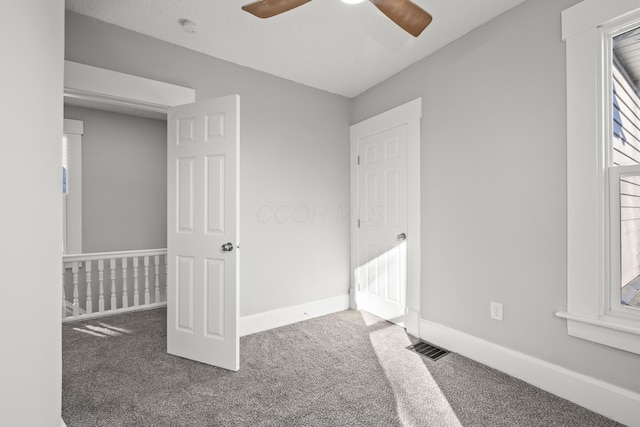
[
  {"x": 227, "y": 247},
  {"x": 402, "y": 236}
]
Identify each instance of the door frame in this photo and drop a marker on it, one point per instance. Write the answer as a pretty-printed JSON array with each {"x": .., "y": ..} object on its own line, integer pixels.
[
  {"x": 406, "y": 114},
  {"x": 121, "y": 92}
]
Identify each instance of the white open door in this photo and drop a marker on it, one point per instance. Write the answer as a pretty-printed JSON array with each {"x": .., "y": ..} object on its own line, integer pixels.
[{"x": 202, "y": 236}]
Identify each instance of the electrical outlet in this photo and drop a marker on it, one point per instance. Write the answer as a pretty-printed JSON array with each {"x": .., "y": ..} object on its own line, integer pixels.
[{"x": 496, "y": 311}]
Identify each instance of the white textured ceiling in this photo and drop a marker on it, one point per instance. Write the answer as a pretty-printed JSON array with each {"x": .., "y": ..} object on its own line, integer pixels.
[{"x": 326, "y": 44}]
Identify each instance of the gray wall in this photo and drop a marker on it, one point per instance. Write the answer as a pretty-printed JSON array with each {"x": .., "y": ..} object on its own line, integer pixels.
[
  {"x": 124, "y": 181},
  {"x": 294, "y": 159},
  {"x": 31, "y": 214},
  {"x": 494, "y": 187}
]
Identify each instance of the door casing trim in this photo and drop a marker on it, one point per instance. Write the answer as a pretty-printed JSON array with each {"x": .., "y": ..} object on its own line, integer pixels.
[{"x": 118, "y": 89}]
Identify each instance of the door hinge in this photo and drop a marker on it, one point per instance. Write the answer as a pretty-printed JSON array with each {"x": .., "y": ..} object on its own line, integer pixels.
[
  {"x": 358, "y": 223},
  {"x": 358, "y": 159}
]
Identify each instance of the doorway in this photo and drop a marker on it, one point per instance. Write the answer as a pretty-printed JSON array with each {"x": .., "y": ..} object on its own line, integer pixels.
[
  {"x": 385, "y": 226},
  {"x": 116, "y": 91}
]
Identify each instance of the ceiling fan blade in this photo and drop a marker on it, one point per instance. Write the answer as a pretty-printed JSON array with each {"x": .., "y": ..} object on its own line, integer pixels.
[
  {"x": 408, "y": 15},
  {"x": 269, "y": 8}
]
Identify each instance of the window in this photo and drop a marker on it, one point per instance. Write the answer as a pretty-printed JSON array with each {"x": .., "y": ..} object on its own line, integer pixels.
[
  {"x": 625, "y": 181},
  {"x": 602, "y": 176},
  {"x": 72, "y": 187}
]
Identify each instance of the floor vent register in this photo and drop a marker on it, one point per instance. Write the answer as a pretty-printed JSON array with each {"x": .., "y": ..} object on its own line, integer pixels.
[{"x": 427, "y": 350}]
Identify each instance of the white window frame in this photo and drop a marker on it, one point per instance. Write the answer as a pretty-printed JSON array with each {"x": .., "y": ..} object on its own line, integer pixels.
[
  {"x": 615, "y": 294},
  {"x": 593, "y": 310},
  {"x": 72, "y": 202}
]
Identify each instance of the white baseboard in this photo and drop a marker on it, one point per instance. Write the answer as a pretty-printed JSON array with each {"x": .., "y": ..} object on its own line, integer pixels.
[
  {"x": 285, "y": 316},
  {"x": 609, "y": 400},
  {"x": 62, "y": 424},
  {"x": 97, "y": 315},
  {"x": 412, "y": 322}
]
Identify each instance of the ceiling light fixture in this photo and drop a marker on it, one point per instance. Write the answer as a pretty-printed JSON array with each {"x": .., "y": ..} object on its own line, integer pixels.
[
  {"x": 352, "y": 1},
  {"x": 405, "y": 13}
]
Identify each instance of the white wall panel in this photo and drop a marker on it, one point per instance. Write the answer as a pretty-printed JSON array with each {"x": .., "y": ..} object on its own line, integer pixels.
[
  {"x": 215, "y": 194},
  {"x": 185, "y": 285},
  {"x": 215, "y": 126},
  {"x": 186, "y": 194},
  {"x": 31, "y": 215},
  {"x": 214, "y": 297}
]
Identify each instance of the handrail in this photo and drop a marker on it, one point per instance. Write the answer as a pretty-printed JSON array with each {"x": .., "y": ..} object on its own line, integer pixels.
[
  {"x": 104, "y": 283},
  {"x": 107, "y": 255}
]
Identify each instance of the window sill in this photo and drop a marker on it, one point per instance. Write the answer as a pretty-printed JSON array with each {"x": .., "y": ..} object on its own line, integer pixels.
[{"x": 611, "y": 331}]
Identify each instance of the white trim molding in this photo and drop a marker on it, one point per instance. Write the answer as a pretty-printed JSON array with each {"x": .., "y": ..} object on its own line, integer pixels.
[
  {"x": 609, "y": 400},
  {"x": 110, "y": 87},
  {"x": 264, "y": 321},
  {"x": 72, "y": 200},
  {"x": 83, "y": 317},
  {"x": 75, "y": 127},
  {"x": 589, "y": 14},
  {"x": 592, "y": 313},
  {"x": 607, "y": 330}
]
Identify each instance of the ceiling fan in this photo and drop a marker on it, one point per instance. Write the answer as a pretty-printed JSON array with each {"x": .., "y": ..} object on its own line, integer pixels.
[{"x": 408, "y": 15}]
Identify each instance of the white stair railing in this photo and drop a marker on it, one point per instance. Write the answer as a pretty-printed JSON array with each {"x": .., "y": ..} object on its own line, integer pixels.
[{"x": 84, "y": 298}]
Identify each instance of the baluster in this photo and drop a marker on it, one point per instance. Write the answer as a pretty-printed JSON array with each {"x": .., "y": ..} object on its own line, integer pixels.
[
  {"x": 89, "y": 304},
  {"x": 76, "y": 301},
  {"x": 101, "y": 285},
  {"x": 114, "y": 303},
  {"x": 136, "y": 297},
  {"x": 64, "y": 298},
  {"x": 146, "y": 280},
  {"x": 156, "y": 262},
  {"x": 125, "y": 291}
]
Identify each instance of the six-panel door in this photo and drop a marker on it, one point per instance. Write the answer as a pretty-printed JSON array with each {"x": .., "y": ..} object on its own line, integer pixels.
[
  {"x": 382, "y": 249},
  {"x": 202, "y": 296}
]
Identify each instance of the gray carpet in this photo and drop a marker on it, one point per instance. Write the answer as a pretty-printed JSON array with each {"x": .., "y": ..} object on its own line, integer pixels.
[{"x": 345, "y": 369}]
